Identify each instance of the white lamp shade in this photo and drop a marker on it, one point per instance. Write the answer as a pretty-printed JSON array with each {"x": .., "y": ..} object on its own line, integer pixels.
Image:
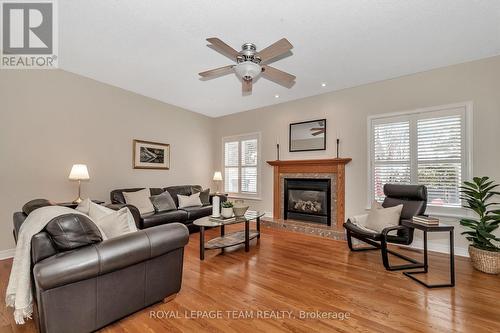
[
  {"x": 79, "y": 172},
  {"x": 218, "y": 175}
]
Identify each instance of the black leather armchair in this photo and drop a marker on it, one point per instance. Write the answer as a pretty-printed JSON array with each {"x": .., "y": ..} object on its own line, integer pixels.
[
  {"x": 414, "y": 201},
  {"x": 87, "y": 288}
]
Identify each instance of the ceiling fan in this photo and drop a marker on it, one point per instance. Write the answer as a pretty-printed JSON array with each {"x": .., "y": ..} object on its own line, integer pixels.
[{"x": 250, "y": 63}]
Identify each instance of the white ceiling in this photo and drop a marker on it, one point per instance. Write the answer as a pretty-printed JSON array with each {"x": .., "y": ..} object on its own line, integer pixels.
[{"x": 157, "y": 47}]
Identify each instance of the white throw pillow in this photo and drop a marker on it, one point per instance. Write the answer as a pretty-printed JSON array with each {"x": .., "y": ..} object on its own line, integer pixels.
[
  {"x": 98, "y": 212},
  {"x": 192, "y": 200},
  {"x": 140, "y": 199},
  {"x": 84, "y": 206},
  {"x": 380, "y": 218},
  {"x": 117, "y": 223}
]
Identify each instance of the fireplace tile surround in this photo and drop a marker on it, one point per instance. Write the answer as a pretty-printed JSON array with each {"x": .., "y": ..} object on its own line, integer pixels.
[{"x": 333, "y": 169}]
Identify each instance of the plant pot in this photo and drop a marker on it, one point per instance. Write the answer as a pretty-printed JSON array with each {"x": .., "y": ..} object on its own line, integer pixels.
[
  {"x": 226, "y": 212},
  {"x": 485, "y": 261}
]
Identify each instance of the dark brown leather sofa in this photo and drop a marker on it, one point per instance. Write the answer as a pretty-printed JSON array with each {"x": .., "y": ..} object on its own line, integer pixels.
[
  {"x": 182, "y": 215},
  {"x": 87, "y": 288}
]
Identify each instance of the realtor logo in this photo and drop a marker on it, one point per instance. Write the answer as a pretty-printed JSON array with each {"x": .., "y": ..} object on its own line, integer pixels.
[{"x": 29, "y": 35}]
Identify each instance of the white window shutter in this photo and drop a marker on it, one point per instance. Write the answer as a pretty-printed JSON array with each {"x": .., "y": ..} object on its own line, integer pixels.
[
  {"x": 391, "y": 155},
  {"x": 439, "y": 147},
  {"x": 241, "y": 164}
]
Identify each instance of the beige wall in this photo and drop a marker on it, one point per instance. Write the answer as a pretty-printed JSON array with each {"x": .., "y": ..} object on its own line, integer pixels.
[
  {"x": 50, "y": 120},
  {"x": 347, "y": 111}
]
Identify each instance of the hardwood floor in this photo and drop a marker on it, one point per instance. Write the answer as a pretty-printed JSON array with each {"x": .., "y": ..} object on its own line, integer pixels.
[{"x": 295, "y": 272}]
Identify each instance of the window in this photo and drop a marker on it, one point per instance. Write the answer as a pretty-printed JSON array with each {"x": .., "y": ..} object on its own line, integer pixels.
[
  {"x": 429, "y": 147},
  {"x": 241, "y": 164}
]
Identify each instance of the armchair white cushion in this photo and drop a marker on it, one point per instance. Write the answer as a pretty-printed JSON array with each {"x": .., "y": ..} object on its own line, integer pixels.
[{"x": 379, "y": 218}]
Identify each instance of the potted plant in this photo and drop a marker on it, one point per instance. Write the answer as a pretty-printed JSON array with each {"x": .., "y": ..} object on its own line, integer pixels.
[
  {"x": 227, "y": 209},
  {"x": 484, "y": 248}
]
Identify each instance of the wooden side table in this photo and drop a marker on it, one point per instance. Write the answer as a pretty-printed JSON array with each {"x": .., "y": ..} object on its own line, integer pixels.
[{"x": 433, "y": 228}]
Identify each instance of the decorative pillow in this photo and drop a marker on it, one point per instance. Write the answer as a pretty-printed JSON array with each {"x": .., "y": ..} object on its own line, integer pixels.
[
  {"x": 97, "y": 212},
  {"x": 140, "y": 199},
  {"x": 35, "y": 204},
  {"x": 204, "y": 196},
  {"x": 380, "y": 218},
  {"x": 163, "y": 202},
  {"x": 116, "y": 223},
  {"x": 192, "y": 200},
  {"x": 71, "y": 231}
]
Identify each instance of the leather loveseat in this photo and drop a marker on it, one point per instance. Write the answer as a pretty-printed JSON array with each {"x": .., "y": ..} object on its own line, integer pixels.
[
  {"x": 182, "y": 215},
  {"x": 86, "y": 288}
]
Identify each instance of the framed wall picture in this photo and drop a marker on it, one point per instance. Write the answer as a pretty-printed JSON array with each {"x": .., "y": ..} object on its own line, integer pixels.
[
  {"x": 308, "y": 135},
  {"x": 151, "y": 155}
]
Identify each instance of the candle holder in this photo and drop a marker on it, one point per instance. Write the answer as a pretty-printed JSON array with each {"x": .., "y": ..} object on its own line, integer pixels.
[
  {"x": 338, "y": 144},
  {"x": 277, "y": 152}
]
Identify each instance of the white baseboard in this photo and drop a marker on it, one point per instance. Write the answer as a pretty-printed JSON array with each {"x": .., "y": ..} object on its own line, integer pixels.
[
  {"x": 6, "y": 254},
  {"x": 441, "y": 248}
]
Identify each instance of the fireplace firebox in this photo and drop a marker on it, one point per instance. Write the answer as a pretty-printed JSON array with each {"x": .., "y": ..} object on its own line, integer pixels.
[{"x": 307, "y": 199}]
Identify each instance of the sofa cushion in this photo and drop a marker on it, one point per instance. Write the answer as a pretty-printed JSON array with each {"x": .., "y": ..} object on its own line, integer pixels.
[
  {"x": 182, "y": 190},
  {"x": 140, "y": 199},
  {"x": 71, "y": 231},
  {"x": 117, "y": 195},
  {"x": 192, "y": 200},
  {"x": 163, "y": 202},
  {"x": 204, "y": 196},
  {"x": 198, "y": 212},
  {"x": 153, "y": 219}
]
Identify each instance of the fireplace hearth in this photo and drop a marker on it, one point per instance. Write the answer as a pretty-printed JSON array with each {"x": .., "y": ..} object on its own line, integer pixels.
[{"x": 307, "y": 199}]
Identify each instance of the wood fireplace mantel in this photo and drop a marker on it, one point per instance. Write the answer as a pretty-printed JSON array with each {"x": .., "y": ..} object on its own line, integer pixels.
[{"x": 331, "y": 165}]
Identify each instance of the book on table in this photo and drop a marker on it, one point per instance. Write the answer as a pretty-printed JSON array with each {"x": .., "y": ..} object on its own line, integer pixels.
[{"x": 426, "y": 220}]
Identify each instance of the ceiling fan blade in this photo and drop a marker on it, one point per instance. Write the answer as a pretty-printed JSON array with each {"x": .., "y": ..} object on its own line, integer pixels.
[
  {"x": 278, "y": 76},
  {"x": 217, "y": 71},
  {"x": 246, "y": 86},
  {"x": 223, "y": 48},
  {"x": 274, "y": 50}
]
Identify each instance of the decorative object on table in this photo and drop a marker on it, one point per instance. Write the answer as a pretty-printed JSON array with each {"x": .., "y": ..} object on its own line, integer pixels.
[
  {"x": 216, "y": 206},
  {"x": 217, "y": 179},
  {"x": 484, "y": 249},
  {"x": 239, "y": 208},
  {"x": 427, "y": 220},
  {"x": 79, "y": 172},
  {"x": 151, "y": 155},
  {"x": 338, "y": 144},
  {"x": 308, "y": 136},
  {"x": 227, "y": 209}
]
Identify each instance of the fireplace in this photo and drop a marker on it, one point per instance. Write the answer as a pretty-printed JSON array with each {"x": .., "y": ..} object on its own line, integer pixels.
[{"x": 307, "y": 199}]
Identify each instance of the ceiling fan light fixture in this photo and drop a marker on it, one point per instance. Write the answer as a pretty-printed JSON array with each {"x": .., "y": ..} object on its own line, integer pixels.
[{"x": 247, "y": 70}]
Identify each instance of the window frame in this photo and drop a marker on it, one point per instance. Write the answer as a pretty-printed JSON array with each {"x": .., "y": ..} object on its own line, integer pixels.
[
  {"x": 239, "y": 138},
  {"x": 413, "y": 116}
]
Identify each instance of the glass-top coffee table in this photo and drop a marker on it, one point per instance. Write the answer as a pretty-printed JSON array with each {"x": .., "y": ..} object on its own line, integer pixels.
[{"x": 232, "y": 239}]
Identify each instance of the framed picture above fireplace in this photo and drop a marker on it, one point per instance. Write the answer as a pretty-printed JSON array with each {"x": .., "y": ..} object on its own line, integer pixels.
[{"x": 307, "y": 136}]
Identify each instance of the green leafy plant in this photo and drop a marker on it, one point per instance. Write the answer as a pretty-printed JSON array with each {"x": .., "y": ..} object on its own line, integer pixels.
[
  {"x": 227, "y": 204},
  {"x": 477, "y": 196}
]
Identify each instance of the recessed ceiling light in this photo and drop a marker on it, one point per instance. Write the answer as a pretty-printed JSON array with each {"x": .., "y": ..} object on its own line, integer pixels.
[
  {"x": 276, "y": 96},
  {"x": 323, "y": 84}
]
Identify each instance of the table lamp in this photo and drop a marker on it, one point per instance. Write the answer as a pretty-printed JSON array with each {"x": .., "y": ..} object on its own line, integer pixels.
[
  {"x": 79, "y": 172},
  {"x": 217, "y": 180}
]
